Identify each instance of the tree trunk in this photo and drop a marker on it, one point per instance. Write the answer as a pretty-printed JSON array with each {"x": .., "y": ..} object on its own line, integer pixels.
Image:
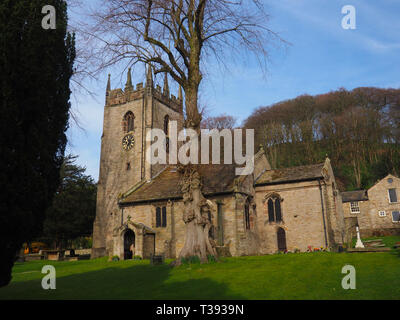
[
  {"x": 196, "y": 217},
  {"x": 196, "y": 208}
]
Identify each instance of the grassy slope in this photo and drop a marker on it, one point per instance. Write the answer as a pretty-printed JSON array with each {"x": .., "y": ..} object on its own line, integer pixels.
[{"x": 292, "y": 276}]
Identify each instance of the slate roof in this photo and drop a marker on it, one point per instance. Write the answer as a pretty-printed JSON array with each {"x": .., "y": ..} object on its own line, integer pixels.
[
  {"x": 293, "y": 174},
  {"x": 215, "y": 178},
  {"x": 352, "y": 196}
]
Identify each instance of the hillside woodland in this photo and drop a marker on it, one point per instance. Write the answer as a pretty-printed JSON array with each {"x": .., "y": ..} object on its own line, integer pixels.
[{"x": 358, "y": 130}]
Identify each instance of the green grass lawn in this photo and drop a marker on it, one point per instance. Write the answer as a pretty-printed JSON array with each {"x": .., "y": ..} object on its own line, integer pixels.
[{"x": 291, "y": 276}]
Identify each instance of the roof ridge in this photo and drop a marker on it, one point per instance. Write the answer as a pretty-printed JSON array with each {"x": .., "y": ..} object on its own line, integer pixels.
[{"x": 302, "y": 166}]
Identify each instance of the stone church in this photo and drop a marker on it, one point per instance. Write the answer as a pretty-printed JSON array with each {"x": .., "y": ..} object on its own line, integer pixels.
[{"x": 140, "y": 205}]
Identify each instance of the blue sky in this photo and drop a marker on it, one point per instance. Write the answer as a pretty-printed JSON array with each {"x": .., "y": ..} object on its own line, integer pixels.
[{"x": 322, "y": 56}]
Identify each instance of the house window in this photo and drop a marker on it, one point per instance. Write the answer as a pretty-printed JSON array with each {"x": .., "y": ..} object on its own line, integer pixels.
[
  {"x": 382, "y": 213},
  {"x": 128, "y": 122},
  {"x": 396, "y": 216},
  {"x": 392, "y": 195},
  {"x": 161, "y": 217},
  {"x": 274, "y": 210},
  {"x": 128, "y": 166},
  {"x": 354, "y": 207}
]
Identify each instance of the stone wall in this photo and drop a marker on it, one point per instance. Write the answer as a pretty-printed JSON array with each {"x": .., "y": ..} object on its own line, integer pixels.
[
  {"x": 369, "y": 220},
  {"x": 303, "y": 220},
  {"x": 120, "y": 170},
  {"x": 379, "y": 201},
  {"x": 301, "y": 213},
  {"x": 169, "y": 240},
  {"x": 114, "y": 178}
]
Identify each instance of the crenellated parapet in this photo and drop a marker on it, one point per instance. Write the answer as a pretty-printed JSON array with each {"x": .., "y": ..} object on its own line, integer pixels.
[
  {"x": 168, "y": 99},
  {"x": 118, "y": 96}
]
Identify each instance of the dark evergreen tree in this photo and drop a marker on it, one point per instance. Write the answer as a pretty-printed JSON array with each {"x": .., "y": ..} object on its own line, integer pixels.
[
  {"x": 74, "y": 206},
  {"x": 35, "y": 70}
]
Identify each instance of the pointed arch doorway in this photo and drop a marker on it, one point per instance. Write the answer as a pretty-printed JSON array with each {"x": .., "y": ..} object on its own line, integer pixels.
[
  {"x": 281, "y": 237},
  {"x": 129, "y": 240}
]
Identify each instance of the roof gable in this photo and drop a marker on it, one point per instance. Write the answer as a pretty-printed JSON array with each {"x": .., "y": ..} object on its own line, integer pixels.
[{"x": 383, "y": 179}]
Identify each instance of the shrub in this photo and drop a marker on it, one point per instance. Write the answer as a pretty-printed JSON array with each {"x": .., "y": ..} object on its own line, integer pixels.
[{"x": 115, "y": 258}]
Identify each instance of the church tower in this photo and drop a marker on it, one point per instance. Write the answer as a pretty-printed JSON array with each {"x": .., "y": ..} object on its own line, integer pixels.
[{"x": 128, "y": 115}]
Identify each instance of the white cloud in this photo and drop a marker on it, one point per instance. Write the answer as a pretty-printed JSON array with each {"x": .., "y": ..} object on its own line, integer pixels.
[{"x": 378, "y": 24}]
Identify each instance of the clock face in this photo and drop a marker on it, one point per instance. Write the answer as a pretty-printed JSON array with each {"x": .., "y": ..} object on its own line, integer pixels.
[{"x": 128, "y": 141}]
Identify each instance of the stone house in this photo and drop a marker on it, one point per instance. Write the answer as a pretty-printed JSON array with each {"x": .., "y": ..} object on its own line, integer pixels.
[
  {"x": 140, "y": 204},
  {"x": 376, "y": 210}
]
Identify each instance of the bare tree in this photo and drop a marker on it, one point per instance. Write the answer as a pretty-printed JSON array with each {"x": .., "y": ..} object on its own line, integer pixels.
[
  {"x": 220, "y": 122},
  {"x": 177, "y": 37}
]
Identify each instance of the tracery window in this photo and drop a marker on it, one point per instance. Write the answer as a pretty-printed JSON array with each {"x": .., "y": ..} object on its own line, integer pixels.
[
  {"x": 128, "y": 122},
  {"x": 274, "y": 209},
  {"x": 161, "y": 217}
]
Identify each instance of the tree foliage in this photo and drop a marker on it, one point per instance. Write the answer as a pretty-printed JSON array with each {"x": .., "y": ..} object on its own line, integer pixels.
[
  {"x": 359, "y": 130},
  {"x": 72, "y": 212},
  {"x": 35, "y": 69}
]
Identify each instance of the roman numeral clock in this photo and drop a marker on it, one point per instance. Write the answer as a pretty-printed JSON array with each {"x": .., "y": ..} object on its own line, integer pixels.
[{"x": 128, "y": 142}]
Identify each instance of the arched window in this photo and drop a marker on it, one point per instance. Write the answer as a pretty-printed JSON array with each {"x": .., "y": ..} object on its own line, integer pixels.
[
  {"x": 161, "y": 217},
  {"x": 211, "y": 231},
  {"x": 166, "y": 131},
  {"x": 247, "y": 214},
  {"x": 166, "y": 125},
  {"x": 128, "y": 122},
  {"x": 278, "y": 213},
  {"x": 274, "y": 209},
  {"x": 164, "y": 217},
  {"x": 271, "y": 215},
  {"x": 281, "y": 237},
  {"x": 158, "y": 217}
]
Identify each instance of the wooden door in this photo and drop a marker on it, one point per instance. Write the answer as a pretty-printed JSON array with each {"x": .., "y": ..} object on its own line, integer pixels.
[{"x": 281, "y": 235}]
